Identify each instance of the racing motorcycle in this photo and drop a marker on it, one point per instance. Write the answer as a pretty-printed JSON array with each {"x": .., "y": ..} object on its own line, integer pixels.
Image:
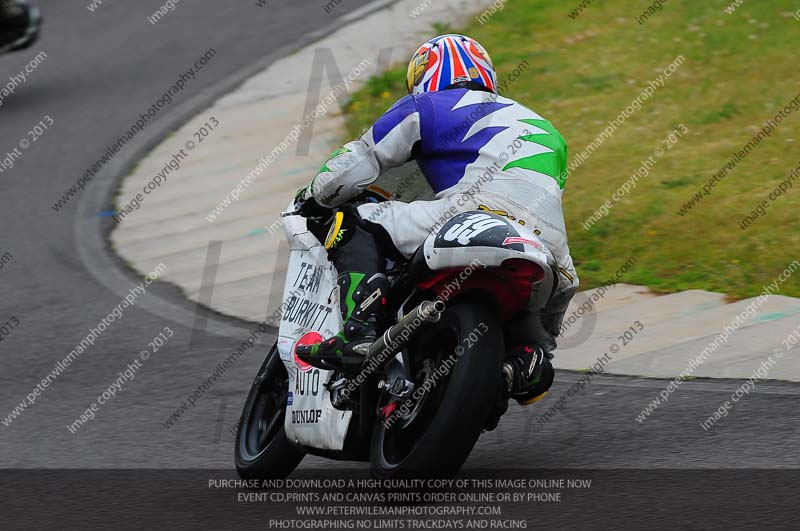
[{"x": 429, "y": 386}]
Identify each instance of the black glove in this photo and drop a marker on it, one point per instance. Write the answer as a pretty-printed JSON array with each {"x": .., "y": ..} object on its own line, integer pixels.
[
  {"x": 300, "y": 194},
  {"x": 309, "y": 208}
]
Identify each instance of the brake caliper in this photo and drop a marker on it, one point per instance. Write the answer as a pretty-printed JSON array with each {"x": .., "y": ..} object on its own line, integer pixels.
[{"x": 388, "y": 410}]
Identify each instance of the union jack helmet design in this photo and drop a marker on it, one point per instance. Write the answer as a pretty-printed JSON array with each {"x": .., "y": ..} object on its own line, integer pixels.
[{"x": 449, "y": 59}]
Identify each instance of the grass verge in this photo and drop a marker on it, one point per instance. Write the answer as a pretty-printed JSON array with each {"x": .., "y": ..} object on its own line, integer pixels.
[{"x": 581, "y": 72}]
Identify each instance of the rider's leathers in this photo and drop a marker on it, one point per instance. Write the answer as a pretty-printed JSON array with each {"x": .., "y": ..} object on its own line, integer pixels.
[{"x": 477, "y": 151}]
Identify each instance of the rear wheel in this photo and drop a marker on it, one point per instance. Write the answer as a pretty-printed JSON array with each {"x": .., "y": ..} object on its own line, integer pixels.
[
  {"x": 458, "y": 360},
  {"x": 262, "y": 449}
]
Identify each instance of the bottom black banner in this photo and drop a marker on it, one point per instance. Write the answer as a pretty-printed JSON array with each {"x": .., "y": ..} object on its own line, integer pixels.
[{"x": 351, "y": 499}]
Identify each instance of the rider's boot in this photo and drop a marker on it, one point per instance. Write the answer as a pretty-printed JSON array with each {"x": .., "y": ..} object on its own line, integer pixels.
[
  {"x": 529, "y": 374},
  {"x": 363, "y": 303}
]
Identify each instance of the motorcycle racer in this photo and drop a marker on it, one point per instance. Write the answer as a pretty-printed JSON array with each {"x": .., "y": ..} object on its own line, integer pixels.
[{"x": 459, "y": 130}]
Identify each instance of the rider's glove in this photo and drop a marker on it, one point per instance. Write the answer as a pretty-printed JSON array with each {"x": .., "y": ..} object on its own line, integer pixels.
[
  {"x": 302, "y": 194},
  {"x": 307, "y": 206}
]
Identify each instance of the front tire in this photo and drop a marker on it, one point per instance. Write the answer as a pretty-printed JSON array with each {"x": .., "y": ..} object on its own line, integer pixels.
[
  {"x": 439, "y": 431},
  {"x": 262, "y": 449}
]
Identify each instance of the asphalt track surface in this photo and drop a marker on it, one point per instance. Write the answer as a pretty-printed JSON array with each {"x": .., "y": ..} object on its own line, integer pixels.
[{"x": 102, "y": 70}]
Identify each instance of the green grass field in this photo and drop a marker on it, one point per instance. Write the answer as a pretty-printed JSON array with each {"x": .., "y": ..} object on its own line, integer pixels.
[{"x": 739, "y": 71}]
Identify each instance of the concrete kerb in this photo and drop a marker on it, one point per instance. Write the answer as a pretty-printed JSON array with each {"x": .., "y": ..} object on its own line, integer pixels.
[{"x": 92, "y": 233}]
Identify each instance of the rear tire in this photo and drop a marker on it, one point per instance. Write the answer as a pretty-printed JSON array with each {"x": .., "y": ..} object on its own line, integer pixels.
[
  {"x": 438, "y": 439},
  {"x": 262, "y": 449}
]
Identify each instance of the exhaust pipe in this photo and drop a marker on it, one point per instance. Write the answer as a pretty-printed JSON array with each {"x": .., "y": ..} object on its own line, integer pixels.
[{"x": 394, "y": 339}]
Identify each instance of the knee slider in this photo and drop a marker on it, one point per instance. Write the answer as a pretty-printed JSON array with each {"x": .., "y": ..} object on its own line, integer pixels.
[{"x": 342, "y": 229}]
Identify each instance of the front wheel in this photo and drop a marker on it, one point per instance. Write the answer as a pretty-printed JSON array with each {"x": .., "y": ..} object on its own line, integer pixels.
[
  {"x": 262, "y": 449},
  {"x": 457, "y": 365}
]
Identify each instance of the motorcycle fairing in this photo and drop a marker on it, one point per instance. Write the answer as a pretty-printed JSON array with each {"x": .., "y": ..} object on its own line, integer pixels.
[
  {"x": 490, "y": 240},
  {"x": 310, "y": 304}
]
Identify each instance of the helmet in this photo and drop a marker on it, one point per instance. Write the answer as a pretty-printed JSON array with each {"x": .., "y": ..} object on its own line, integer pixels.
[{"x": 450, "y": 60}]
